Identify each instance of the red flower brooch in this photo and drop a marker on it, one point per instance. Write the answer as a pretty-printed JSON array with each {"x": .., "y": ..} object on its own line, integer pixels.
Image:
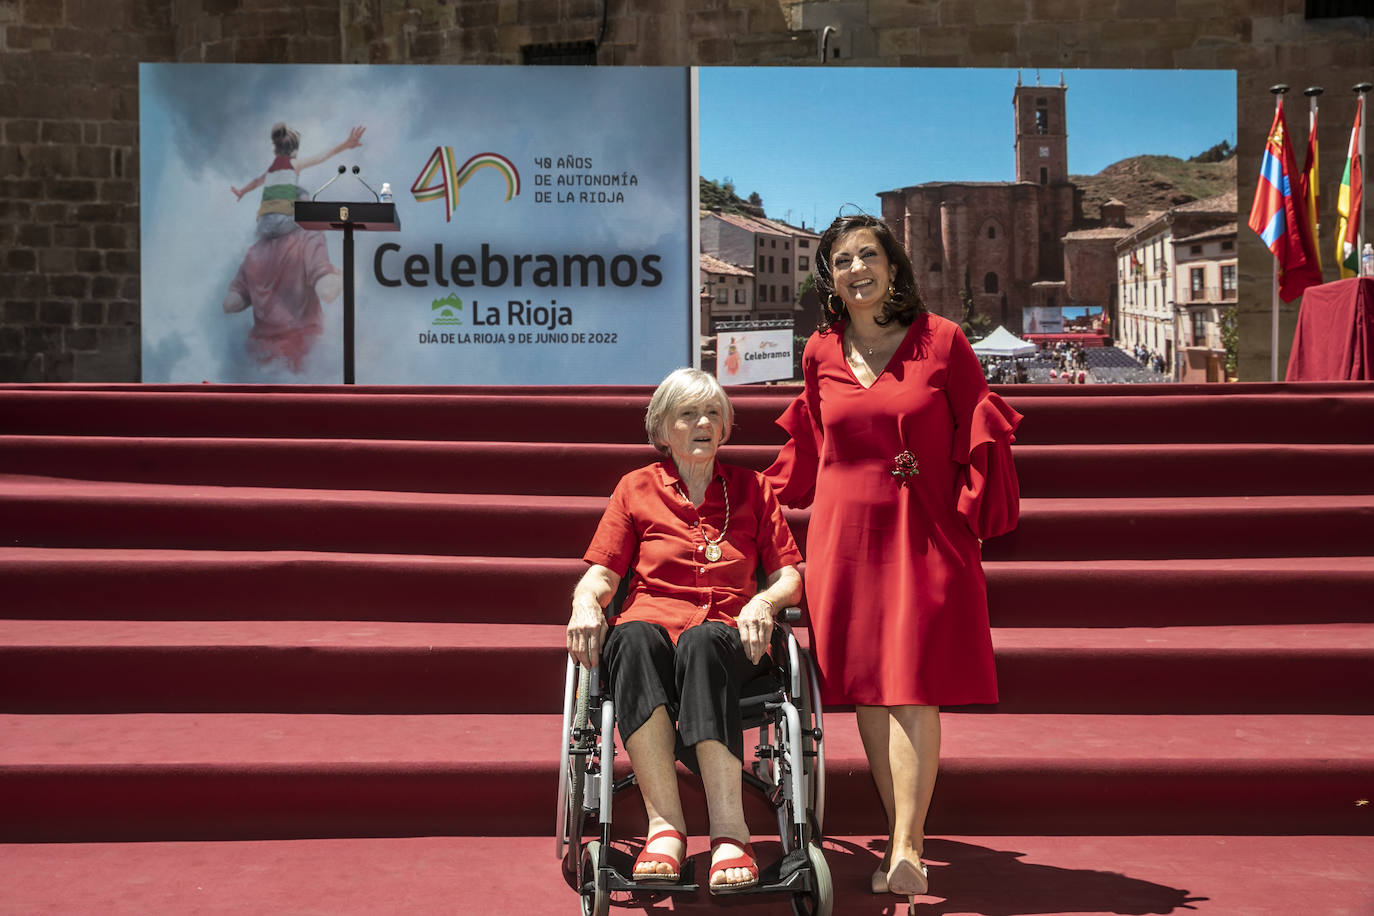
[{"x": 904, "y": 468}]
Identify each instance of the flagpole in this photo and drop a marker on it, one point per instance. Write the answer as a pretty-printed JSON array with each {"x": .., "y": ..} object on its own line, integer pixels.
[
  {"x": 1278, "y": 92},
  {"x": 1312, "y": 92},
  {"x": 1362, "y": 90}
]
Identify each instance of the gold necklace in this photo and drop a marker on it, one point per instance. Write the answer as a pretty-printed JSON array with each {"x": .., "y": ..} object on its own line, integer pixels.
[
  {"x": 712, "y": 545},
  {"x": 856, "y": 342}
]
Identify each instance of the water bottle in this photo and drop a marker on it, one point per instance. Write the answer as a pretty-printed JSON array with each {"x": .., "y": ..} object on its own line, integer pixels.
[
  {"x": 1367, "y": 261},
  {"x": 385, "y": 195}
]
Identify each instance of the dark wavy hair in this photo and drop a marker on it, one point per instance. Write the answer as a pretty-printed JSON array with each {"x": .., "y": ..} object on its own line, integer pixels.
[{"x": 905, "y": 303}]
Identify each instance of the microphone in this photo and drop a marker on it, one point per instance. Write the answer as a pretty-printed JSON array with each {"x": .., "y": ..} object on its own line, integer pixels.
[
  {"x": 331, "y": 181},
  {"x": 375, "y": 195}
]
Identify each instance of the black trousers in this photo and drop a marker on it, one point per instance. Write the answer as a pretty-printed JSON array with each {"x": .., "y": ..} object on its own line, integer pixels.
[{"x": 698, "y": 681}]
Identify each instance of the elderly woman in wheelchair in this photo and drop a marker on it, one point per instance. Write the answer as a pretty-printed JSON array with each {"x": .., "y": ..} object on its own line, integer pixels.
[{"x": 693, "y": 534}]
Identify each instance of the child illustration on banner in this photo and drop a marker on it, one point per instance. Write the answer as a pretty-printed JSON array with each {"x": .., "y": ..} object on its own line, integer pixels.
[
  {"x": 286, "y": 273},
  {"x": 732, "y": 360}
]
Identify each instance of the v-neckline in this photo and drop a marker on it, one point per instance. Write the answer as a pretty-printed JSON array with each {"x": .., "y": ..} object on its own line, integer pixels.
[{"x": 879, "y": 375}]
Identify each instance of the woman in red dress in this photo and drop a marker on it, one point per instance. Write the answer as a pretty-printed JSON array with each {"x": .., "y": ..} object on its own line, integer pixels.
[{"x": 905, "y": 458}]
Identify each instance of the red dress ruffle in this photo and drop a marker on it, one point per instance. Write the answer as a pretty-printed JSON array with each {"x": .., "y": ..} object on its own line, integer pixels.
[{"x": 894, "y": 580}]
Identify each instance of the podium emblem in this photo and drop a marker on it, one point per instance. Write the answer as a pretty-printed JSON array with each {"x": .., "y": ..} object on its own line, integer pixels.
[{"x": 343, "y": 214}]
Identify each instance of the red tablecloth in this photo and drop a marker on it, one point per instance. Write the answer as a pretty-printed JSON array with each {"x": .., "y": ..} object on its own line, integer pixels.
[{"x": 1334, "y": 339}]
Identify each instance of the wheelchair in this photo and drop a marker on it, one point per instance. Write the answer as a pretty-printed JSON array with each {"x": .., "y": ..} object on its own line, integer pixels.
[{"x": 788, "y": 770}]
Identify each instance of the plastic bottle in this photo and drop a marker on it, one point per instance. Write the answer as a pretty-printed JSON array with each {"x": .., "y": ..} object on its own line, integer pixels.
[
  {"x": 1367, "y": 260},
  {"x": 385, "y": 195}
]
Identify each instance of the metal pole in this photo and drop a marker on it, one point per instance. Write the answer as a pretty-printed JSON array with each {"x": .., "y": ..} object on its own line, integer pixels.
[
  {"x": 348, "y": 304},
  {"x": 1278, "y": 91},
  {"x": 1362, "y": 90}
]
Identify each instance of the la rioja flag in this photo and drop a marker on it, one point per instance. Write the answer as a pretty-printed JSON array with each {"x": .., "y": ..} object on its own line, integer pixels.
[{"x": 1279, "y": 215}]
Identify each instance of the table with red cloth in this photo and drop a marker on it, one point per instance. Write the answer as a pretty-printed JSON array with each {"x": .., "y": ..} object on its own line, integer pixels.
[{"x": 1334, "y": 339}]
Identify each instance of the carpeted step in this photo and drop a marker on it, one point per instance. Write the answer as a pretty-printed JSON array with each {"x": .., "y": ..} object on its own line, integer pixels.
[
  {"x": 352, "y": 667},
  {"x": 54, "y": 512},
  {"x": 1083, "y": 875},
  {"x": 592, "y": 468},
  {"x": 169, "y": 584},
  {"x": 1106, "y": 413},
  {"x": 82, "y": 778}
]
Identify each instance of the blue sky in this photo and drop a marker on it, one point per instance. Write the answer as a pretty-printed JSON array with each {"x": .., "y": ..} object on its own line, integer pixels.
[{"x": 812, "y": 139}]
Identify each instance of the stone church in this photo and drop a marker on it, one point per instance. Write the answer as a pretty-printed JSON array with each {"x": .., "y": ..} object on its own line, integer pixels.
[{"x": 1001, "y": 245}]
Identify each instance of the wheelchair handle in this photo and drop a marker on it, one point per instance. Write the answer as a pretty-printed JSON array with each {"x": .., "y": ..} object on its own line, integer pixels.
[{"x": 791, "y": 615}]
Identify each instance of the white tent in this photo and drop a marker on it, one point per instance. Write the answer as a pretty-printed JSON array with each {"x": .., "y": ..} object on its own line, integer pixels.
[{"x": 1002, "y": 342}]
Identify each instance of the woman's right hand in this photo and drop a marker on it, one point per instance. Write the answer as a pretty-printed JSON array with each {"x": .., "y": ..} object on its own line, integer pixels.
[{"x": 586, "y": 630}]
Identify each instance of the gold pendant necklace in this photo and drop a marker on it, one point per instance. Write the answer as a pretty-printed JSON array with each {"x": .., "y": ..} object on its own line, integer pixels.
[{"x": 712, "y": 551}]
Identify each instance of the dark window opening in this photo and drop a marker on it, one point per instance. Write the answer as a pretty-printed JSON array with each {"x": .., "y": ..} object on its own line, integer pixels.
[{"x": 990, "y": 283}]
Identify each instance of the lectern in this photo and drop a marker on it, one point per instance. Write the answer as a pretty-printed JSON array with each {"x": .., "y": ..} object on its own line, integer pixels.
[{"x": 362, "y": 216}]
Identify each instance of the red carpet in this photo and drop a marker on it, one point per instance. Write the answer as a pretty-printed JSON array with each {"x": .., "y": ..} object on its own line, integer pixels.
[{"x": 270, "y": 634}]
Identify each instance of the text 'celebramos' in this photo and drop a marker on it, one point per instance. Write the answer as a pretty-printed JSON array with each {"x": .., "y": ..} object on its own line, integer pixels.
[{"x": 394, "y": 268}]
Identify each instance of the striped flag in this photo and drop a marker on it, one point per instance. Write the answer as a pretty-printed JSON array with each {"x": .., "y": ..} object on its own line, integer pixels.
[
  {"x": 1348, "y": 203},
  {"x": 1277, "y": 214}
]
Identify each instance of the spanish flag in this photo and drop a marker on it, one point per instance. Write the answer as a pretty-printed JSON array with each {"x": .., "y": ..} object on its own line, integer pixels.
[{"x": 1348, "y": 203}]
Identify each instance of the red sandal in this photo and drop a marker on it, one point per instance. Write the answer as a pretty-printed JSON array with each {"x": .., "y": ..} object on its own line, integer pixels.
[
  {"x": 745, "y": 861},
  {"x": 646, "y": 856}
]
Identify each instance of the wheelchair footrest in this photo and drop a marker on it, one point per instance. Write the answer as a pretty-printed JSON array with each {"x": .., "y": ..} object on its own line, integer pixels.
[
  {"x": 619, "y": 864},
  {"x": 791, "y": 874}
]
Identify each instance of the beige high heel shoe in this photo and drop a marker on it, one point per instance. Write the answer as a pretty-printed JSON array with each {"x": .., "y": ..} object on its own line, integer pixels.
[{"x": 908, "y": 879}]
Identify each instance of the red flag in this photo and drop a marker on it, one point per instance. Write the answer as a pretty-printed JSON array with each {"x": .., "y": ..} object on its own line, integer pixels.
[
  {"x": 1309, "y": 186},
  {"x": 1278, "y": 214}
]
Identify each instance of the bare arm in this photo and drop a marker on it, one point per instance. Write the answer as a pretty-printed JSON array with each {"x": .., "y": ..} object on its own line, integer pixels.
[
  {"x": 782, "y": 589},
  {"x": 255, "y": 183},
  {"x": 355, "y": 139},
  {"x": 587, "y": 625}
]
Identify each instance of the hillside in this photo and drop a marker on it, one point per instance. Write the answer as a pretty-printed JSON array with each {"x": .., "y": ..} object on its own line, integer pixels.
[{"x": 1145, "y": 183}]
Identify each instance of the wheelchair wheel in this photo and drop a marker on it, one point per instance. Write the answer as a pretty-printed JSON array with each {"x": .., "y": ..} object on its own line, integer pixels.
[
  {"x": 575, "y": 778},
  {"x": 820, "y": 901},
  {"x": 596, "y": 900}
]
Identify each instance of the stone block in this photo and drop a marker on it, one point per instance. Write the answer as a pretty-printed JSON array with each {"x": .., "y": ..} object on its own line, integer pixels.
[
  {"x": 1056, "y": 10},
  {"x": 943, "y": 40},
  {"x": 22, "y": 130},
  {"x": 989, "y": 40},
  {"x": 999, "y": 12},
  {"x": 105, "y": 286},
  {"x": 93, "y": 162},
  {"x": 90, "y": 313},
  {"x": 897, "y": 41},
  {"x": 122, "y": 313},
  {"x": 72, "y": 286},
  {"x": 80, "y": 339},
  {"x": 114, "y": 360},
  {"x": 89, "y": 261},
  {"x": 716, "y": 23},
  {"x": 57, "y": 260},
  {"x": 71, "y": 235},
  {"x": 35, "y": 235},
  {"x": 713, "y": 52},
  {"x": 60, "y": 132},
  {"x": 18, "y": 311},
  {"x": 902, "y": 13},
  {"x": 21, "y": 259}
]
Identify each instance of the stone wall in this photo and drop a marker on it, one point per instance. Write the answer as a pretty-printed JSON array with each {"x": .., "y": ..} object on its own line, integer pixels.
[{"x": 69, "y": 279}]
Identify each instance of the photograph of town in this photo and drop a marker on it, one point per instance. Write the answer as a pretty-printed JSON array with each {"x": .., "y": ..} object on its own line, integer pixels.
[{"x": 1080, "y": 225}]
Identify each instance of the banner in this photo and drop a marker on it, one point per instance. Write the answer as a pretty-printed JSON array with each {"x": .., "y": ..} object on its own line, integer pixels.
[
  {"x": 545, "y": 223},
  {"x": 743, "y": 357},
  {"x": 1041, "y": 319}
]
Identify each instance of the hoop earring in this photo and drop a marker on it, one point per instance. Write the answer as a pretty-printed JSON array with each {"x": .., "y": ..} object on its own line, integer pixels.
[{"x": 835, "y": 304}]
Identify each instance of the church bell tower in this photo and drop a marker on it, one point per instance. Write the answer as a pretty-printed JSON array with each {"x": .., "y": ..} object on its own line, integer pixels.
[{"x": 1042, "y": 134}]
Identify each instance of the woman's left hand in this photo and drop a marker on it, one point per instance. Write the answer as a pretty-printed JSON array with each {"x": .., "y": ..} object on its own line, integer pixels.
[{"x": 756, "y": 628}]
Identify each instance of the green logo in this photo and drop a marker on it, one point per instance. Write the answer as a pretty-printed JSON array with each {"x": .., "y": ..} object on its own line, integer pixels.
[{"x": 448, "y": 309}]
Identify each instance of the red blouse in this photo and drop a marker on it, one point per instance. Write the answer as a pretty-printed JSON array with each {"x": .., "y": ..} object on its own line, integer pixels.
[{"x": 651, "y": 527}]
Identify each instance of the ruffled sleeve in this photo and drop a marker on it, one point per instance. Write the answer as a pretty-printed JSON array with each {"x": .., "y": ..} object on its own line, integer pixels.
[
  {"x": 989, "y": 496},
  {"x": 793, "y": 474}
]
